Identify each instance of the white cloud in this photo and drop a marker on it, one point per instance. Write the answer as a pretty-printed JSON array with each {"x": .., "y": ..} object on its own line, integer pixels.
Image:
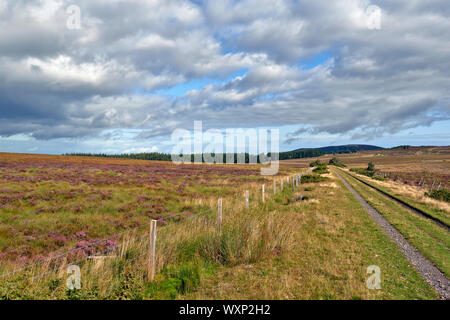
[
  {"x": 141, "y": 150},
  {"x": 58, "y": 82}
]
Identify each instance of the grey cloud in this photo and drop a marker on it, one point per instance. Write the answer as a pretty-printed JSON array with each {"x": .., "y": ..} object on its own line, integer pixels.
[{"x": 56, "y": 82}]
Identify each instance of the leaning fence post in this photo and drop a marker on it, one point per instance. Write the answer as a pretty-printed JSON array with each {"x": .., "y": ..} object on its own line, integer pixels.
[
  {"x": 152, "y": 252},
  {"x": 432, "y": 186},
  {"x": 246, "y": 198},
  {"x": 219, "y": 212},
  {"x": 263, "y": 193}
]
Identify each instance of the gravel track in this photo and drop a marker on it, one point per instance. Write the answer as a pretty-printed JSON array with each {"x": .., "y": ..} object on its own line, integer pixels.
[{"x": 424, "y": 266}]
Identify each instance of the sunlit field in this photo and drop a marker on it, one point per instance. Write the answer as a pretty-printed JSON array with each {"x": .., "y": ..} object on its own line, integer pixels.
[
  {"x": 54, "y": 202},
  {"x": 404, "y": 166},
  {"x": 310, "y": 240}
]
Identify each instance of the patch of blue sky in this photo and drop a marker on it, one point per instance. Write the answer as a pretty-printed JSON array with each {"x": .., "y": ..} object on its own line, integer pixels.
[
  {"x": 316, "y": 60},
  {"x": 268, "y": 96},
  {"x": 181, "y": 89},
  {"x": 435, "y": 134}
]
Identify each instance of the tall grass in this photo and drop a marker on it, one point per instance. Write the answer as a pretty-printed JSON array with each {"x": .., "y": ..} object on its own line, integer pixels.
[{"x": 185, "y": 252}]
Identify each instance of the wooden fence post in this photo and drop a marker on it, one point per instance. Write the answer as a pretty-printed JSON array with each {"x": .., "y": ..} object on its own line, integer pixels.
[
  {"x": 152, "y": 252},
  {"x": 263, "y": 193},
  {"x": 281, "y": 184},
  {"x": 432, "y": 186},
  {"x": 274, "y": 187},
  {"x": 293, "y": 185},
  {"x": 439, "y": 187},
  {"x": 219, "y": 212},
  {"x": 246, "y": 198}
]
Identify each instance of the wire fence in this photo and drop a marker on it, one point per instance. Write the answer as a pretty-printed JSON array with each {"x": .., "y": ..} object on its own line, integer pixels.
[
  {"x": 74, "y": 251},
  {"x": 70, "y": 256}
]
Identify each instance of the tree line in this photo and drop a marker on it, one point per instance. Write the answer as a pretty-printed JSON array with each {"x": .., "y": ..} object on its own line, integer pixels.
[{"x": 226, "y": 157}]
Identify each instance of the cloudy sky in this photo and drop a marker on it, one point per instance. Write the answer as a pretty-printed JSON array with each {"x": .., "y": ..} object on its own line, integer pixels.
[{"x": 131, "y": 71}]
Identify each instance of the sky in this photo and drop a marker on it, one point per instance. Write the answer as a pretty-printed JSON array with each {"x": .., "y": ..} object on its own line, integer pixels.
[{"x": 114, "y": 76}]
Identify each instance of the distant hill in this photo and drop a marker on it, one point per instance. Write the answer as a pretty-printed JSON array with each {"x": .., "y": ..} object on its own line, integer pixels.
[
  {"x": 348, "y": 148},
  {"x": 317, "y": 152}
]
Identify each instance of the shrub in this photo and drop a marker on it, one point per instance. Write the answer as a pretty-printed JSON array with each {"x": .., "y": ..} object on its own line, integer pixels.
[
  {"x": 309, "y": 178},
  {"x": 315, "y": 163},
  {"x": 371, "y": 166},
  {"x": 166, "y": 289},
  {"x": 363, "y": 172},
  {"x": 336, "y": 162},
  {"x": 245, "y": 241},
  {"x": 441, "y": 195},
  {"x": 176, "y": 280},
  {"x": 321, "y": 169}
]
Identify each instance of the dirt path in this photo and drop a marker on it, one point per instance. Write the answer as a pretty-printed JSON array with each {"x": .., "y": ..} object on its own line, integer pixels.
[{"x": 425, "y": 267}]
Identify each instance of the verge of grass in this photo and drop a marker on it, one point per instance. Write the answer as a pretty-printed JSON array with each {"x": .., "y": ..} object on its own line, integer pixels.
[{"x": 334, "y": 241}]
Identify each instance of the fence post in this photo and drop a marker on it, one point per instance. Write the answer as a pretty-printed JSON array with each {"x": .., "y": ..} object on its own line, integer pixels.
[
  {"x": 246, "y": 198},
  {"x": 263, "y": 193},
  {"x": 219, "y": 212},
  {"x": 274, "y": 187},
  {"x": 152, "y": 252},
  {"x": 432, "y": 186},
  {"x": 439, "y": 187},
  {"x": 293, "y": 185},
  {"x": 282, "y": 185}
]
